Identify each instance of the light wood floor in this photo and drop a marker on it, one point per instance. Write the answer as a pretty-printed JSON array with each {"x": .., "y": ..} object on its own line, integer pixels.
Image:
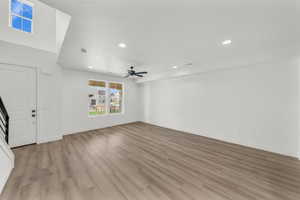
[{"x": 144, "y": 162}]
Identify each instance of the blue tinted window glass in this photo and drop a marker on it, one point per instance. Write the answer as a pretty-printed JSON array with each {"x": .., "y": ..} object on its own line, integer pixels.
[
  {"x": 27, "y": 11},
  {"x": 16, "y": 7},
  {"x": 16, "y": 22},
  {"x": 26, "y": 26}
]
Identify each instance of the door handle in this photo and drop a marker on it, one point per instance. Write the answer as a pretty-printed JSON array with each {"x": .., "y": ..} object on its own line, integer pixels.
[{"x": 33, "y": 115}]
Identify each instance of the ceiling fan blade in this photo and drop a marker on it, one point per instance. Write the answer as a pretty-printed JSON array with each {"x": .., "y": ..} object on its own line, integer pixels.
[
  {"x": 141, "y": 73},
  {"x": 126, "y": 76}
]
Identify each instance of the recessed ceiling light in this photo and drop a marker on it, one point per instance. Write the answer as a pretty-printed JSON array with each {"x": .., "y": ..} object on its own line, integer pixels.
[
  {"x": 174, "y": 67},
  {"x": 90, "y": 67},
  {"x": 226, "y": 42},
  {"x": 122, "y": 45}
]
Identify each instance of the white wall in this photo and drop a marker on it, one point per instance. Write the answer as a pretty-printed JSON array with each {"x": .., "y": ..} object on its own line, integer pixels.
[
  {"x": 256, "y": 106},
  {"x": 44, "y": 27},
  {"x": 75, "y": 103},
  {"x": 40, "y": 50},
  {"x": 7, "y": 162},
  {"x": 299, "y": 110},
  {"x": 49, "y": 83},
  {"x": 62, "y": 24}
]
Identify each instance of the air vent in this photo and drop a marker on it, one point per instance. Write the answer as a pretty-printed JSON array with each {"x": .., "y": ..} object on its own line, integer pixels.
[{"x": 83, "y": 50}]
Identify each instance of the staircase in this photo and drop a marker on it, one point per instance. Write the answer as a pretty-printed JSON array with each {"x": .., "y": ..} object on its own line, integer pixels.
[
  {"x": 4, "y": 121},
  {"x": 6, "y": 155}
]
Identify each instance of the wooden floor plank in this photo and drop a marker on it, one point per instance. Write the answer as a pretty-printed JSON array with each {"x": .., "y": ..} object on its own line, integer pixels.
[{"x": 140, "y": 161}]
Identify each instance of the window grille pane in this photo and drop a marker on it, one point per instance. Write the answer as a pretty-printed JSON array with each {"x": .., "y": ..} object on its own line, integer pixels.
[
  {"x": 26, "y": 25},
  {"x": 96, "y": 83},
  {"x": 27, "y": 11},
  {"x": 16, "y": 7},
  {"x": 97, "y": 98},
  {"x": 116, "y": 97},
  {"x": 16, "y": 22}
]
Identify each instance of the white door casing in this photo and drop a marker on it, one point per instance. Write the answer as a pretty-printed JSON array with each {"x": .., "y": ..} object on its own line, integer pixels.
[{"x": 18, "y": 89}]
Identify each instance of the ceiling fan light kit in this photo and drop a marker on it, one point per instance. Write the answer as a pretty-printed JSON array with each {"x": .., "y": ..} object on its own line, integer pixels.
[{"x": 132, "y": 72}]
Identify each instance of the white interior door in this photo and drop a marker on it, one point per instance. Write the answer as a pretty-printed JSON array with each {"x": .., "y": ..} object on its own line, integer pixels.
[{"x": 18, "y": 92}]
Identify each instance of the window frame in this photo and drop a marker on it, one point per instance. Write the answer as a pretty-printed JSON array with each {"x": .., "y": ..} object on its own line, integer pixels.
[
  {"x": 12, "y": 14},
  {"x": 123, "y": 94},
  {"x": 92, "y": 116},
  {"x": 107, "y": 99}
]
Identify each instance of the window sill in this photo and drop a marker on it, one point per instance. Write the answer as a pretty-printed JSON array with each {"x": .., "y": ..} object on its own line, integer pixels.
[{"x": 106, "y": 115}]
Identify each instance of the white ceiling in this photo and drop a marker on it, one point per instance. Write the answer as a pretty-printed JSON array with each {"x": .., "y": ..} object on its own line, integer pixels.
[{"x": 162, "y": 33}]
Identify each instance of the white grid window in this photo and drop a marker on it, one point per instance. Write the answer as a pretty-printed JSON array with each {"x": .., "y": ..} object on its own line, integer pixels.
[
  {"x": 105, "y": 97},
  {"x": 21, "y": 15}
]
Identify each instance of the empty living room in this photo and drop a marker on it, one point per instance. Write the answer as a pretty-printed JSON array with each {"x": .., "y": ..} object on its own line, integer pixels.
[{"x": 149, "y": 100}]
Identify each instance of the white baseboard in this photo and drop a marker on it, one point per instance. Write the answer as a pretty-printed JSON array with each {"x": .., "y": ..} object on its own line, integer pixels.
[
  {"x": 71, "y": 132},
  {"x": 49, "y": 139}
]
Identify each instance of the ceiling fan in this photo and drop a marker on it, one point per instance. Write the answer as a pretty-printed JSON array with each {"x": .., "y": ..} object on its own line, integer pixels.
[{"x": 132, "y": 72}]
